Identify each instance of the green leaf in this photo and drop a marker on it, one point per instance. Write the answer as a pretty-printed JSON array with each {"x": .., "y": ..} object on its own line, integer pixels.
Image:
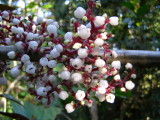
[
  {"x": 59, "y": 67},
  {"x": 40, "y": 112},
  {"x": 19, "y": 109},
  {"x": 44, "y": 44},
  {"x": 9, "y": 97},
  {"x": 128, "y": 5},
  {"x": 14, "y": 115},
  {"x": 120, "y": 94},
  {"x": 30, "y": 111},
  {"x": 142, "y": 10}
]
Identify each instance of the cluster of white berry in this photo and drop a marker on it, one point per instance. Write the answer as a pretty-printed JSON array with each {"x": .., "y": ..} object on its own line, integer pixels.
[{"x": 83, "y": 54}]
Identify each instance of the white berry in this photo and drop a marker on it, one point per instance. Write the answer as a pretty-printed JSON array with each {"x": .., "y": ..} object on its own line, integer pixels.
[
  {"x": 76, "y": 77},
  {"x": 99, "y": 20},
  {"x": 65, "y": 75},
  {"x": 113, "y": 20},
  {"x": 99, "y": 42},
  {"x": 31, "y": 69},
  {"x": 116, "y": 64},
  {"x": 52, "y": 64},
  {"x": 15, "y": 71},
  {"x": 79, "y": 12},
  {"x": 80, "y": 95},
  {"x": 76, "y": 63},
  {"x": 63, "y": 95},
  {"x": 103, "y": 83},
  {"x": 11, "y": 54},
  {"x": 43, "y": 61},
  {"x": 54, "y": 53},
  {"x": 110, "y": 98},
  {"x": 68, "y": 36},
  {"x": 59, "y": 48},
  {"x": 41, "y": 91},
  {"x": 82, "y": 53},
  {"x": 128, "y": 66},
  {"x": 25, "y": 58},
  {"x": 84, "y": 32},
  {"x": 69, "y": 108},
  {"x": 129, "y": 85},
  {"x": 99, "y": 63}
]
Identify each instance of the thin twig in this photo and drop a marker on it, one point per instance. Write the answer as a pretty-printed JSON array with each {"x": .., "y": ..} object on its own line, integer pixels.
[{"x": 11, "y": 86}]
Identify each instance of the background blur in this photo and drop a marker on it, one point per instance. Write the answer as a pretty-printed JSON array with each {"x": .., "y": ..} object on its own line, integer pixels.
[{"x": 139, "y": 29}]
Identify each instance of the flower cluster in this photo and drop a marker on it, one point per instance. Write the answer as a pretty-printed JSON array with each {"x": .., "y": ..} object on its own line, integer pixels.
[{"x": 82, "y": 53}]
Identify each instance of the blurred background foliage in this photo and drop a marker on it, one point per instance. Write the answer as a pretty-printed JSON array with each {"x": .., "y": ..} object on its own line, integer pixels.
[{"x": 139, "y": 29}]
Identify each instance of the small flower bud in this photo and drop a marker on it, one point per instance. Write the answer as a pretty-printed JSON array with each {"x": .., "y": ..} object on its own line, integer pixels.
[
  {"x": 133, "y": 76},
  {"x": 123, "y": 89}
]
